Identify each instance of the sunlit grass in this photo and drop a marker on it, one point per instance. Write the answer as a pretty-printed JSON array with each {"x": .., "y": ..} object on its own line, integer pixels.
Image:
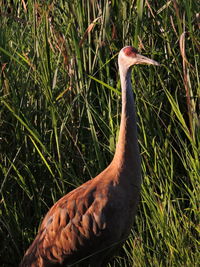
[{"x": 60, "y": 112}]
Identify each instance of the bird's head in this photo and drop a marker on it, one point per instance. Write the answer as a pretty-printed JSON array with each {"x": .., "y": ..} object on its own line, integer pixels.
[{"x": 129, "y": 56}]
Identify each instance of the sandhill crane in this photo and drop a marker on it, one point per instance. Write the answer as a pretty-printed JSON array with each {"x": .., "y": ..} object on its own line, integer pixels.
[{"x": 91, "y": 221}]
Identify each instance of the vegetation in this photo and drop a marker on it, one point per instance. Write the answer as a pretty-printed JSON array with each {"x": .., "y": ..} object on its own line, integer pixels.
[{"x": 60, "y": 113}]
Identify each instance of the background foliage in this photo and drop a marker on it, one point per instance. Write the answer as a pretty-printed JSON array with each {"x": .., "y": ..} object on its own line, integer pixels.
[{"x": 60, "y": 112}]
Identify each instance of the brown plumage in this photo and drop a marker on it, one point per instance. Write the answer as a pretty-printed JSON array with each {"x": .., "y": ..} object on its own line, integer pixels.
[{"x": 88, "y": 223}]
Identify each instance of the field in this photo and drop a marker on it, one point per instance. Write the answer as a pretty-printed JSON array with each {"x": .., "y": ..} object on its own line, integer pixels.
[{"x": 60, "y": 104}]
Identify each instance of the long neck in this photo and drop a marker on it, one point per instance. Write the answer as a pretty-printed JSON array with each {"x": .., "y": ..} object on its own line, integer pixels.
[{"x": 127, "y": 155}]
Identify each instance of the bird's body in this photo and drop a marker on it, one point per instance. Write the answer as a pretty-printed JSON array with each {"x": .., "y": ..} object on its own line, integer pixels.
[
  {"x": 85, "y": 222},
  {"x": 88, "y": 223}
]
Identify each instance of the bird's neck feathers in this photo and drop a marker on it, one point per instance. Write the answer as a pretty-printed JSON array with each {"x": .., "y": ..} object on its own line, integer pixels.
[{"x": 127, "y": 155}]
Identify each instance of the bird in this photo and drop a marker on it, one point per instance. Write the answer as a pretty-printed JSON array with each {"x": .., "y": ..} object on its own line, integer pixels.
[{"x": 87, "y": 225}]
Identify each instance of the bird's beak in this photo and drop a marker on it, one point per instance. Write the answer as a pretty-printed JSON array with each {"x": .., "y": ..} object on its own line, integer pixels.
[{"x": 145, "y": 60}]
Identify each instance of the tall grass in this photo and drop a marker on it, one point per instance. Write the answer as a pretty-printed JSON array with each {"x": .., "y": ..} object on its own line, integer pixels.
[{"x": 60, "y": 113}]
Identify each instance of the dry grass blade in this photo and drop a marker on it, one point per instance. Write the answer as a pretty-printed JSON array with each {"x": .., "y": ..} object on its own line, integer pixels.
[
  {"x": 89, "y": 29},
  {"x": 24, "y": 6},
  {"x": 150, "y": 9},
  {"x": 182, "y": 49},
  {"x": 185, "y": 77}
]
